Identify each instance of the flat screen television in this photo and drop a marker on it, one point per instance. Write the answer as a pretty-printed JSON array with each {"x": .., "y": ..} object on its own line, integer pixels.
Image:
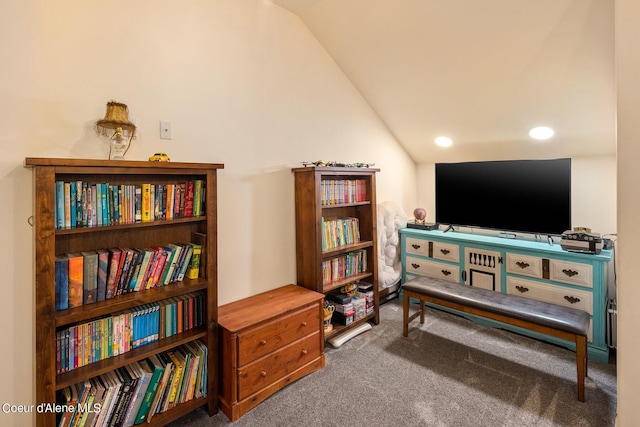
[{"x": 529, "y": 196}]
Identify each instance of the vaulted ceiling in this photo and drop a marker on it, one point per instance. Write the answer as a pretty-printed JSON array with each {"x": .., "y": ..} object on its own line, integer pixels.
[{"x": 482, "y": 72}]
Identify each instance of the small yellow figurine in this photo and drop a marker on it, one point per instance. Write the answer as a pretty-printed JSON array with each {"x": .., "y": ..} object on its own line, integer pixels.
[{"x": 159, "y": 157}]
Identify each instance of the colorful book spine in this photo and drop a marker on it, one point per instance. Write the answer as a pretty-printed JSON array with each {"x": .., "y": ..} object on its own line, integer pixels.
[
  {"x": 79, "y": 201},
  {"x": 146, "y": 203},
  {"x": 86, "y": 205},
  {"x": 156, "y": 368},
  {"x": 103, "y": 265},
  {"x": 193, "y": 270},
  {"x": 62, "y": 282},
  {"x": 76, "y": 276},
  {"x": 67, "y": 205},
  {"x": 113, "y": 272},
  {"x": 90, "y": 277},
  {"x": 198, "y": 197},
  {"x": 59, "y": 211},
  {"x": 72, "y": 204},
  {"x": 171, "y": 193},
  {"x": 189, "y": 199}
]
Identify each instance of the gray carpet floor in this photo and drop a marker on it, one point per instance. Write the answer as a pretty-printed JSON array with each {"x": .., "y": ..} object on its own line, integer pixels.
[{"x": 448, "y": 372}]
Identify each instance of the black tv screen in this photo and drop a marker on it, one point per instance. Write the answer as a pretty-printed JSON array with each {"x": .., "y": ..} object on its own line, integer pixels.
[{"x": 531, "y": 196}]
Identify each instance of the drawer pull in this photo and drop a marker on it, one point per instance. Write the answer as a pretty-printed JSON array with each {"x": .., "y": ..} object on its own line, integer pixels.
[
  {"x": 522, "y": 289},
  {"x": 572, "y": 300},
  {"x": 445, "y": 272},
  {"x": 414, "y": 265},
  {"x": 569, "y": 273},
  {"x": 304, "y": 352},
  {"x": 414, "y": 246},
  {"x": 522, "y": 264},
  {"x": 263, "y": 374},
  {"x": 445, "y": 251},
  {"x": 263, "y": 342},
  {"x": 304, "y": 324}
]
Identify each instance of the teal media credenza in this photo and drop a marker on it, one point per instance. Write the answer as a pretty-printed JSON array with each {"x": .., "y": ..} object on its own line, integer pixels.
[{"x": 530, "y": 268}]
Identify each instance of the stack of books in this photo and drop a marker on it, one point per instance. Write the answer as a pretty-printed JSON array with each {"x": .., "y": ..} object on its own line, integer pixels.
[
  {"x": 91, "y": 276},
  {"x": 95, "y": 204},
  {"x": 85, "y": 343},
  {"x": 134, "y": 393}
]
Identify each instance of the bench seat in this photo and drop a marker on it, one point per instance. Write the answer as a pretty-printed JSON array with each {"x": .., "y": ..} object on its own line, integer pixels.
[{"x": 550, "y": 319}]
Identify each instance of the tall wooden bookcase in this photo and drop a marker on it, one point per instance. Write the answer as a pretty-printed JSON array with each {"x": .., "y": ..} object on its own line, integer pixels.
[
  {"x": 314, "y": 186},
  {"x": 50, "y": 242}
]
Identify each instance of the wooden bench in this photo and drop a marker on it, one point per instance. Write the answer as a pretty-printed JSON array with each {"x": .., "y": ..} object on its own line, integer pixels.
[{"x": 566, "y": 323}]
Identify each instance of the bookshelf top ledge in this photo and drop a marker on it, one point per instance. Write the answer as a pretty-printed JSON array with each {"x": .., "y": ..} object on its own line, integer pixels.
[
  {"x": 41, "y": 161},
  {"x": 334, "y": 170}
]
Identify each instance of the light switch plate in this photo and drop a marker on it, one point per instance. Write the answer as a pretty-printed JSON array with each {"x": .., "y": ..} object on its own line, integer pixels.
[{"x": 165, "y": 130}]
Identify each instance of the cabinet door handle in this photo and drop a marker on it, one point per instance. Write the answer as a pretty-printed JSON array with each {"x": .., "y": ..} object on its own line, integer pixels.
[
  {"x": 414, "y": 246},
  {"x": 414, "y": 265},
  {"x": 522, "y": 264},
  {"x": 263, "y": 342},
  {"x": 569, "y": 273},
  {"x": 445, "y": 251},
  {"x": 445, "y": 272},
  {"x": 572, "y": 300},
  {"x": 522, "y": 289}
]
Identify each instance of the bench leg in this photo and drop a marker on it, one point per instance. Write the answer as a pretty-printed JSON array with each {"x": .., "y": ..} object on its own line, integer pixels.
[
  {"x": 405, "y": 315},
  {"x": 581, "y": 363},
  {"x": 406, "y": 318}
]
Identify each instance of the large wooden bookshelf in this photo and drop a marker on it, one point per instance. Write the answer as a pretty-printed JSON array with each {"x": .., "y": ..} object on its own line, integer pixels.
[
  {"x": 313, "y": 207},
  {"x": 51, "y": 241}
]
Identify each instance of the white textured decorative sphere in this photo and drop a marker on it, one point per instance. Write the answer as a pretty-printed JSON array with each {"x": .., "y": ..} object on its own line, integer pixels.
[{"x": 420, "y": 214}]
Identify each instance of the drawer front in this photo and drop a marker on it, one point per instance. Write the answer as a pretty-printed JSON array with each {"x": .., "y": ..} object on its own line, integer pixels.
[
  {"x": 571, "y": 272},
  {"x": 277, "y": 365},
  {"x": 582, "y": 300},
  {"x": 524, "y": 265},
  {"x": 417, "y": 246},
  {"x": 270, "y": 336},
  {"x": 446, "y": 251},
  {"x": 433, "y": 269},
  {"x": 438, "y": 250}
]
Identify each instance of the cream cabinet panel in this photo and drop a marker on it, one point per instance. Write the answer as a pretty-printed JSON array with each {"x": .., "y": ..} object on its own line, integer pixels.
[
  {"x": 436, "y": 250},
  {"x": 524, "y": 265},
  {"x": 567, "y": 297},
  {"x": 562, "y": 296},
  {"x": 439, "y": 270},
  {"x": 418, "y": 247},
  {"x": 446, "y": 251},
  {"x": 571, "y": 272}
]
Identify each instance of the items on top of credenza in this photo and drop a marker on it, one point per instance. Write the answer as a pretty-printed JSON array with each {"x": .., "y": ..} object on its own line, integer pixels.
[
  {"x": 582, "y": 240},
  {"x": 334, "y": 164}
]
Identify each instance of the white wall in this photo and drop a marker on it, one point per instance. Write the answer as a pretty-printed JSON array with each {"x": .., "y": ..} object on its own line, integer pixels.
[
  {"x": 628, "y": 250},
  {"x": 243, "y": 82},
  {"x": 593, "y": 192}
]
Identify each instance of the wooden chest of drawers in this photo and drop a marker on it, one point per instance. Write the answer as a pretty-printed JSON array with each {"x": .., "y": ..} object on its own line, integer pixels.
[{"x": 268, "y": 341}]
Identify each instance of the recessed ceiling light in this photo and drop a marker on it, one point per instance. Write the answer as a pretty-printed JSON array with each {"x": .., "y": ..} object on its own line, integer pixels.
[
  {"x": 541, "y": 132},
  {"x": 444, "y": 141}
]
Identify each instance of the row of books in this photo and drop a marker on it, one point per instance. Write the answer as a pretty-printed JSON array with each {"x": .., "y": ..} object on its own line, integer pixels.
[
  {"x": 341, "y": 191},
  {"x": 134, "y": 393},
  {"x": 91, "y": 276},
  {"x": 90, "y": 204},
  {"x": 339, "y": 232},
  {"x": 344, "y": 266},
  {"x": 82, "y": 344}
]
